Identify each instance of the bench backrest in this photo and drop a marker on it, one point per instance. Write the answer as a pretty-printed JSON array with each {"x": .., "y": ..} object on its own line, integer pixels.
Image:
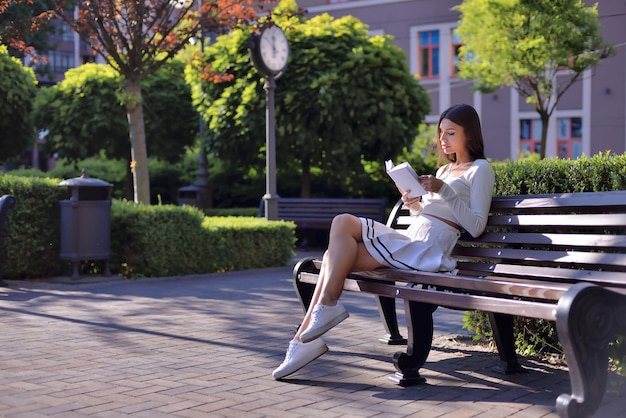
[
  {"x": 319, "y": 212},
  {"x": 555, "y": 237}
]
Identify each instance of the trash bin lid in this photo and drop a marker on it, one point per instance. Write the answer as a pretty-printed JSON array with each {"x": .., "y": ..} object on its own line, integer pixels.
[
  {"x": 190, "y": 188},
  {"x": 84, "y": 181}
]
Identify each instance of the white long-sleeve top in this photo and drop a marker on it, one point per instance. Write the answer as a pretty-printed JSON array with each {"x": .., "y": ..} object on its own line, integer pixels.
[{"x": 464, "y": 200}]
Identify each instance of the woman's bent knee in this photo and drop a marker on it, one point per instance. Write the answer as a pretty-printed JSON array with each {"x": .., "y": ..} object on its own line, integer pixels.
[{"x": 345, "y": 221}]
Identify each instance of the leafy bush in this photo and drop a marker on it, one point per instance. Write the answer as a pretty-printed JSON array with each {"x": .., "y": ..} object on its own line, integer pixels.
[{"x": 18, "y": 88}]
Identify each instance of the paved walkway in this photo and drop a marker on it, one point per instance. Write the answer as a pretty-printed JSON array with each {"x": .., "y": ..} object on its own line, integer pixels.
[{"x": 204, "y": 346}]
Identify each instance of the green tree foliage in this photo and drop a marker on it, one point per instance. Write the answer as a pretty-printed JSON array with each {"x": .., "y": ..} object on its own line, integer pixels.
[
  {"x": 16, "y": 27},
  {"x": 18, "y": 90},
  {"x": 136, "y": 38},
  {"x": 345, "y": 99},
  {"x": 85, "y": 117},
  {"x": 529, "y": 45}
]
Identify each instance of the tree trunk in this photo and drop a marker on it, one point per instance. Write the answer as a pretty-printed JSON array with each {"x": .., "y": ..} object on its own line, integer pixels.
[
  {"x": 129, "y": 193},
  {"x": 138, "y": 149},
  {"x": 545, "y": 119},
  {"x": 305, "y": 184}
]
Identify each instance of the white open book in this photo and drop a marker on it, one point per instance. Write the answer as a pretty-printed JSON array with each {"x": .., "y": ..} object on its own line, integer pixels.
[{"x": 405, "y": 178}]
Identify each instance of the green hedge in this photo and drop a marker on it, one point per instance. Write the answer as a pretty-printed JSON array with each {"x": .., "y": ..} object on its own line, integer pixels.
[
  {"x": 146, "y": 241},
  {"x": 30, "y": 247},
  {"x": 184, "y": 241},
  {"x": 602, "y": 172}
]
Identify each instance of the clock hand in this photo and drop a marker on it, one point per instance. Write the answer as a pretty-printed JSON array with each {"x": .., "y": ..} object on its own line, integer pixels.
[{"x": 273, "y": 44}]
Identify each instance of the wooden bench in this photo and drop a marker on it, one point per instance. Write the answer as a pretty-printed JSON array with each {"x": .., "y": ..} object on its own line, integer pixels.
[
  {"x": 559, "y": 257},
  {"x": 317, "y": 213},
  {"x": 6, "y": 202}
]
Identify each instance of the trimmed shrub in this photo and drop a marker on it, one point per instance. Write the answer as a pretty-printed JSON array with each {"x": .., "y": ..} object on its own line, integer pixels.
[
  {"x": 164, "y": 240},
  {"x": 30, "y": 247},
  {"x": 172, "y": 240}
]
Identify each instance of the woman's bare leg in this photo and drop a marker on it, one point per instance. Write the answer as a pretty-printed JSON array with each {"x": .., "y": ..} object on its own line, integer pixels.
[{"x": 346, "y": 253}]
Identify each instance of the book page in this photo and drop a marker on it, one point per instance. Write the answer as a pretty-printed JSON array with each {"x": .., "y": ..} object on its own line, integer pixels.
[{"x": 405, "y": 178}]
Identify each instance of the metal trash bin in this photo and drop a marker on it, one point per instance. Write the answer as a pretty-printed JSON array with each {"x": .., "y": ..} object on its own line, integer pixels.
[
  {"x": 190, "y": 195},
  {"x": 86, "y": 222}
]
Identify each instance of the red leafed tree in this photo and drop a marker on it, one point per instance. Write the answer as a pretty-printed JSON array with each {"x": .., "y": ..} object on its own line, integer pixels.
[{"x": 136, "y": 37}]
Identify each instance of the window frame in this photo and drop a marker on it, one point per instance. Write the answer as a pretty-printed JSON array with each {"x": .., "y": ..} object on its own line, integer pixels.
[
  {"x": 531, "y": 141},
  {"x": 569, "y": 141},
  {"x": 429, "y": 48}
]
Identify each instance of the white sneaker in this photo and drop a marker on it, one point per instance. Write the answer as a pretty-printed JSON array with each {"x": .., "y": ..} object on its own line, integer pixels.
[
  {"x": 298, "y": 355},
  {"x": 323, "y": 318}
]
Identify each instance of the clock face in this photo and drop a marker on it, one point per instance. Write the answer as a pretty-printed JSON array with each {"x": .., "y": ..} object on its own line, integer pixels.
[{"x": 274, "y": 49}]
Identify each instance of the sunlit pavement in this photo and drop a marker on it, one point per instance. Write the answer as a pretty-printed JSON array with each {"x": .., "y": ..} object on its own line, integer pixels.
[{"x": 205, "y": 345}]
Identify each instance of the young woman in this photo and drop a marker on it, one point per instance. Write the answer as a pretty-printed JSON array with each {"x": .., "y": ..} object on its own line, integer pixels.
[{"x": 458, "y": 199}]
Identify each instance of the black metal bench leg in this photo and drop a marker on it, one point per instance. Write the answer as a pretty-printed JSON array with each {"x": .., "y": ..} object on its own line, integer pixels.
[
  {"x": 304, "y": 290},
  {"x": 503, "y": 335},
  {"x": 419, "y": 318},
  {"x": 387, "y": 310},
  {"x": 587, "y": 318}
]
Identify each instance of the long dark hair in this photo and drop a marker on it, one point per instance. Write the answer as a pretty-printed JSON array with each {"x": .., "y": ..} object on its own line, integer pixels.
[{"x": 464, "y": 115}]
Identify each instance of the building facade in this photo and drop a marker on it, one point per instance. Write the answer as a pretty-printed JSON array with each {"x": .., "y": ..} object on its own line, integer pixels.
[
  {"x": 590, "y": 117},
  {"x": 69, "y": 52}
]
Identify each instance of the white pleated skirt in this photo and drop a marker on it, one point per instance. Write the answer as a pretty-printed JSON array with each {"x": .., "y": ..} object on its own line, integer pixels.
[{"x": 425, "y": 246}]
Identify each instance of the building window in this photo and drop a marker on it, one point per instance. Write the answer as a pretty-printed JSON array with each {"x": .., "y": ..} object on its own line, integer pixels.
[
  {"x": 569, "y": 138},
  {"x": 456, "y": 52},
  {"x": 67, "y": 34},
  {"x": 428, "y": 54},
  {"x": 60, "y": 61},
  {"x": 530, "y": 136}
]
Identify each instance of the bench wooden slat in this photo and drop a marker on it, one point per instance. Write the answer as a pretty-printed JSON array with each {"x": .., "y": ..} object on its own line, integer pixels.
[
  {"x": 615, "y": 280},
  {"x": 590, "y": 260},
  {"x": 577, "y": 201},
  {"x": 591, "y": 241},
  {"x": 529, "y": 309},
  {"x": 586, "y": 220},
  {"x": 539, "y": 310},
  {"x": 501, "y": 221},
  {"x": 488, "y": 284}
]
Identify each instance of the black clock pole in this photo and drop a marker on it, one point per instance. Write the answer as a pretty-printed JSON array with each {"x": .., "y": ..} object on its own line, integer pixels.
[
  {"x": 271, "y": 196},
  {"x": 269, "y": 51}
]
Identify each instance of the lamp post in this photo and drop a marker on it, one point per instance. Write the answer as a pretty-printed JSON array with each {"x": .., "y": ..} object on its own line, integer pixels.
[
  {"x": 269, "y": 50},
  {"x": 202, "y": 182},
  {"x": 271, "y": 195}
]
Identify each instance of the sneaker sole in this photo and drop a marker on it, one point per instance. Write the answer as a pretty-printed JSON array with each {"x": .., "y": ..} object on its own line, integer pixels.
[
  {"x": 285, "y": 373},
  {"x": 310, "y": 335}
]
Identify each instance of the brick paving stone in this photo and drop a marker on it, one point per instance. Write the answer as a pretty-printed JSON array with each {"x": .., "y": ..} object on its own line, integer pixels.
[{"x": 205, "y": 345}]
